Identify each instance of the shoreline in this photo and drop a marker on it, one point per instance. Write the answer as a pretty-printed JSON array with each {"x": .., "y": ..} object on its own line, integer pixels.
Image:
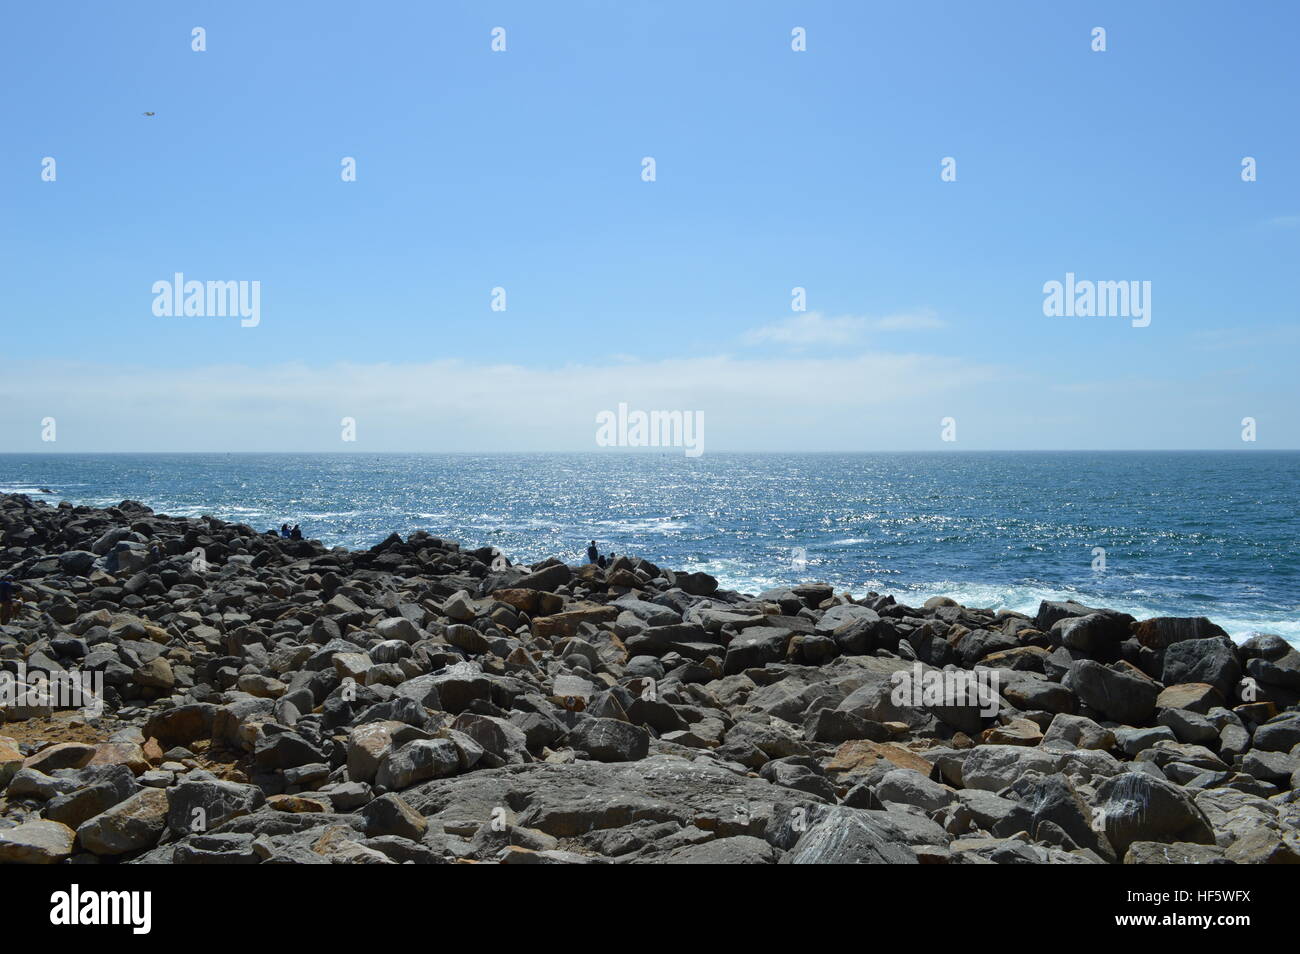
[
  {"x": 1016, "y": 596},
  {"x": 418, "y": 701}
]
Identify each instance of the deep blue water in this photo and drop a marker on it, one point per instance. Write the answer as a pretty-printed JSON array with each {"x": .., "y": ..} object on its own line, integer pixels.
[{"x": 1189, "y": 533}]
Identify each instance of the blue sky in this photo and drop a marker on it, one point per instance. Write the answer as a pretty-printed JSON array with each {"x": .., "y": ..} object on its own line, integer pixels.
[{"x": 775, "y": 169}]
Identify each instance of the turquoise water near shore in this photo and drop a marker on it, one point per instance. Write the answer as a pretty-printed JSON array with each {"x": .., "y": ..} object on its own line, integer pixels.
[{"x": 1185, "y": 533}]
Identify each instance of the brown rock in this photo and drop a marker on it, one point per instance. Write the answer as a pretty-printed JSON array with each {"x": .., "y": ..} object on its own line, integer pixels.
[
  {"x": 860, "y": 755},
  {"x": 1256, "y": 712},
  {"x": 1198, "y": 697},
  {"x": 1263, "y": 846},
  {"x": 11, "y": 760},
  {"x": 152, "y": 751},
  {"x": 1022, "y": 657},
  {"x": 61, "y": 755},
  {"x": 121, "y": 753},
  {"x": 566, "y": 623},
  {"x": 297, "y": 804},
  {"x": 155, "y": 674},
  {"x": 521, "y": 599},
  {"x": 1015, "y": 732}
]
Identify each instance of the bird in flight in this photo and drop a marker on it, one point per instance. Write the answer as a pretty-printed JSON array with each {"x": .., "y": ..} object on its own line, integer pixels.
[{"x": 148, "y": 114}]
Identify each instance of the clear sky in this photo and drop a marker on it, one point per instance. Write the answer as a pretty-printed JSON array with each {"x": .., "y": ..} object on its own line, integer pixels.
[{"x": 522, "y": 169}]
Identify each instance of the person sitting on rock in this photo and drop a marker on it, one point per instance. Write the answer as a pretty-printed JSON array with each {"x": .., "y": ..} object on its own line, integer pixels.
[
  {"x": 8, "y": 607},
  {"x": 284, "y": 531},
  {"x": 592, "y": 552},
  {"x": 295, "y": 533},
  {"x": 601, "y": 562}
]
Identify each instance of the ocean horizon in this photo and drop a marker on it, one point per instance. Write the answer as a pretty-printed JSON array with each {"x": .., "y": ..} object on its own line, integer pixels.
[{"x": 1152, "y": 533}]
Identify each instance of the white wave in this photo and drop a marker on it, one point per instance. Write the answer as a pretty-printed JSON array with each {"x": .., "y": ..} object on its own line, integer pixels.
[{"x": 1019, "y": 599}]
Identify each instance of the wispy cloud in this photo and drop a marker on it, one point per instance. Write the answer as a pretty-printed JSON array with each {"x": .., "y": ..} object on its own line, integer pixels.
[
  {"x": 813, "y": 328},
  {"x": 751, "y": 403},
  {"x": 1259, "y": 338}
]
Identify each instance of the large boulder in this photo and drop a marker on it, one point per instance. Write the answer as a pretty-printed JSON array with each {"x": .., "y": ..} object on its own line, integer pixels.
[
  {"x": 36, "y": 843},
  {"x": 1118, "y": 691},
  {"x": 1136, "y": 806},
  {"x": 754, "y": 648},
  {"x": 1097, "y": 635},
  {"x": 546, "y": 579},
  {"x": 994, "y": 767},
  {"x": 417, "y": 761},
  {"x": 1164, "y": 631},
  {"x": 697, "y": 584},
  {"x": 128, "y": 826},
  {"x": 847, "y": 836},
  {"x": 610, "y": 740},
  {"x": 1212, "y": 661},
  {"x": 908, "y": 787},
  {"x": 112, "y": 784},
  {"x": 1052, "y": 611},
  {"x": 181, "y": 725},
  {"x": 1281, "y": 734},
  {"x": 1043, "y": 800},
  {"x": 200, "y": 806}
]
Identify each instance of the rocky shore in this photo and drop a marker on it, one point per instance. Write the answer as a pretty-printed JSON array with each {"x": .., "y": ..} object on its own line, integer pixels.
[{"x": 264, "y": 700}]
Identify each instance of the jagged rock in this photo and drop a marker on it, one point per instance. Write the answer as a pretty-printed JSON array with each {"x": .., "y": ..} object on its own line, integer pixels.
[
  {"x": 1199, "y": 697},
  {"x": 1281, "y": 734},
  {"x": 110, "y": 786},
  {"x": 1164, "y": 631},
  {"x": 200, "y": 806},
  {"x": 1155, "y": 853},
  {"x": 1134, "y": 806},
  {"x": 1119, "y": 692},
  {"x": 907, "y": 787},
  {"x": 61, "y": 755},
  {"x": 610, "y": 740},
  {"x": 1212, "y": 661},
  {"x": 846, "y": 837},
  {"x": 416, "y": 761},
  {"x": 994, "y": 767},
  {"x": 130, "y": 825},
  {"x": 36, "y": 843},
  {"x": 1079, "y": 731},
  {"x": 389, "y": 814},
  {"x": 1051, "y": 800}
]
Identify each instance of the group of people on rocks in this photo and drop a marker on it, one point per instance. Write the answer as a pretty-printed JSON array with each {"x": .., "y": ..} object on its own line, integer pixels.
[
  {"x": 595, "y": 556},
  {"x": 290, "y": 533}
]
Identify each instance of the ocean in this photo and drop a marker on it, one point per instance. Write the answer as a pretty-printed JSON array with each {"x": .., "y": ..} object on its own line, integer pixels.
[{"x": 1183, "y": 533}]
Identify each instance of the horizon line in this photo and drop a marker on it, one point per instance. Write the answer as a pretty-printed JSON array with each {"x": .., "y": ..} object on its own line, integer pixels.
[{"x": 663, "y": 452}]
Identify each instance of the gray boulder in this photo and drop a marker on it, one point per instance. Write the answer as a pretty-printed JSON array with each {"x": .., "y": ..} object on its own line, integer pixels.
[
  {"x": 1134, "y": 806},
  {"x": 847, "y": 836},
  {"x": 610, "y": 740},
  {"x": 1120, "y": 692},
  {"x": 1211, "y": 660}
]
